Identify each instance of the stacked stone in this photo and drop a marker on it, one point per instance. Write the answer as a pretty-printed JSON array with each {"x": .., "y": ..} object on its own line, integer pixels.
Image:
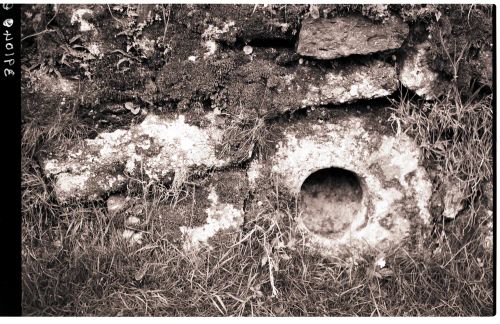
[{"x": 339, "y": 62}]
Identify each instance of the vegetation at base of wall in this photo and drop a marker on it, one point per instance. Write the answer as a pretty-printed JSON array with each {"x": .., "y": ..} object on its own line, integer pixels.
[
  {"x": 455, "y": 131},
  {"x": 75, "y": 262}
]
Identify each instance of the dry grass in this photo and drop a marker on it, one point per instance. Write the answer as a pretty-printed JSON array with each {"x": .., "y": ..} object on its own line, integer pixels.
[
  {"x": 246, "y": 136},
  {"x": 244, "y": 139},
  {"x": 79, "y": 265},
  {"x": 76, "y": 263},
  {"x": 455, "y": 134}
]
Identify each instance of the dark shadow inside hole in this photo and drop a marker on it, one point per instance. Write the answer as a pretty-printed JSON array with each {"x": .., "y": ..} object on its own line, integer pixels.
[{"x": 330, "y": 200}]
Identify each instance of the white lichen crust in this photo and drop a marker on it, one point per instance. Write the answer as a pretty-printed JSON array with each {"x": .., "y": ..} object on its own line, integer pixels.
[
  {"x": 221, "y": 217},
  {"x": 371, "y": 80},
  {"x": 396, "y": 189},
  {"x": 418, "y": 76},
  {"x": 156, "y": 149},
  {"x": 78, "y": 17}
]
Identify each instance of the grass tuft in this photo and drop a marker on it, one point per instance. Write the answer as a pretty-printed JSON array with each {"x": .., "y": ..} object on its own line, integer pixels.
[
  {"x": 78, "y": 264},
  {"x": 456, "y": 135}
]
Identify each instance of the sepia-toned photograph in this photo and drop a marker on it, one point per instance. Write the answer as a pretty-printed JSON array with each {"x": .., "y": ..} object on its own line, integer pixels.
[{"x": 267, "y": 160}]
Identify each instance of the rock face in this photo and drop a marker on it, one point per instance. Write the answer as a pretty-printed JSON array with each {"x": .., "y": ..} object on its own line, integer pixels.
[
  {"x": 453, "y": 198},
  {"x": 224, "y": 212},
  {"x": 417, "y": 75},
  {"x": 158, "y": 148},
  {"x": 260, "y": 87},
  {"x": 375, "y": 194},
  {"x": 228, "y": 79},
  {"x": 373, "y": 79},
  {"x": 328, "y": 39}
]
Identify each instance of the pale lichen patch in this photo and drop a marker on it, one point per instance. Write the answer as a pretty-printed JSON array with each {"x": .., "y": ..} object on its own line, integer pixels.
[
  {"x": 146, "y": 46},
  {"x": 417, "y": 75},
  {"x": 211, "y": 47},
  {"x": 377, "y": 160},
  {"x": 254, "y": 172},
  {"x": 214, "y": 32},
  {"x": 211, "y": 34},
  {"x": 157, "y": 147},
  {"x": 95, "y": 49},
  {"x": 78, "y": 17},
  {"x": 220, "y": 217}
]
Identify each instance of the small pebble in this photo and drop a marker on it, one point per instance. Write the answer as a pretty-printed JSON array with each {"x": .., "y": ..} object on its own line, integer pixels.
[
  {"x": 248, "y": 50},
  {"x": 132, "y": 220},
  {"x": 132, "y": 237},
  {"x": 380, "y": 262},
  {"x": 127, "y": 234},
  {"x": 116, "y": 204},
  {"x": 136, "y": 238}
]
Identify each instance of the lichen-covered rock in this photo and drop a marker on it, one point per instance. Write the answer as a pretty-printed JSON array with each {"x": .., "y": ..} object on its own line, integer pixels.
[
  {"x": 220, "y": 217},
  {"x": 417, "y": 75},
  {"x": 328, "y": 39},
  {"x": 367, "y": 80},
  {"x": 159, "y": 149},
  {"x": 263, "y": 88},
  {"x": 395, "y": 188},
  {"x": 224, "y": 211},
  {"x": 453, "y": 198}
]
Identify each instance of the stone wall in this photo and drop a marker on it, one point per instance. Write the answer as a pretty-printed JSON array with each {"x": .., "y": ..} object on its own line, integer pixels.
[{"x": 240, "y": 100}]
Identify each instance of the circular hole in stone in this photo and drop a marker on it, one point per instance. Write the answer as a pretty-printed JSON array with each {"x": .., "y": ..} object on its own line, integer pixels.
[{"x": 331, "y": 199}]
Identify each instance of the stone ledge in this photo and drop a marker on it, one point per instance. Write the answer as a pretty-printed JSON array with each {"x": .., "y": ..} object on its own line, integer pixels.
[
  {"x": 159, "y": 149},
  {"x": 328, "y": 39},
  {"x": 396, "y": 189}
]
